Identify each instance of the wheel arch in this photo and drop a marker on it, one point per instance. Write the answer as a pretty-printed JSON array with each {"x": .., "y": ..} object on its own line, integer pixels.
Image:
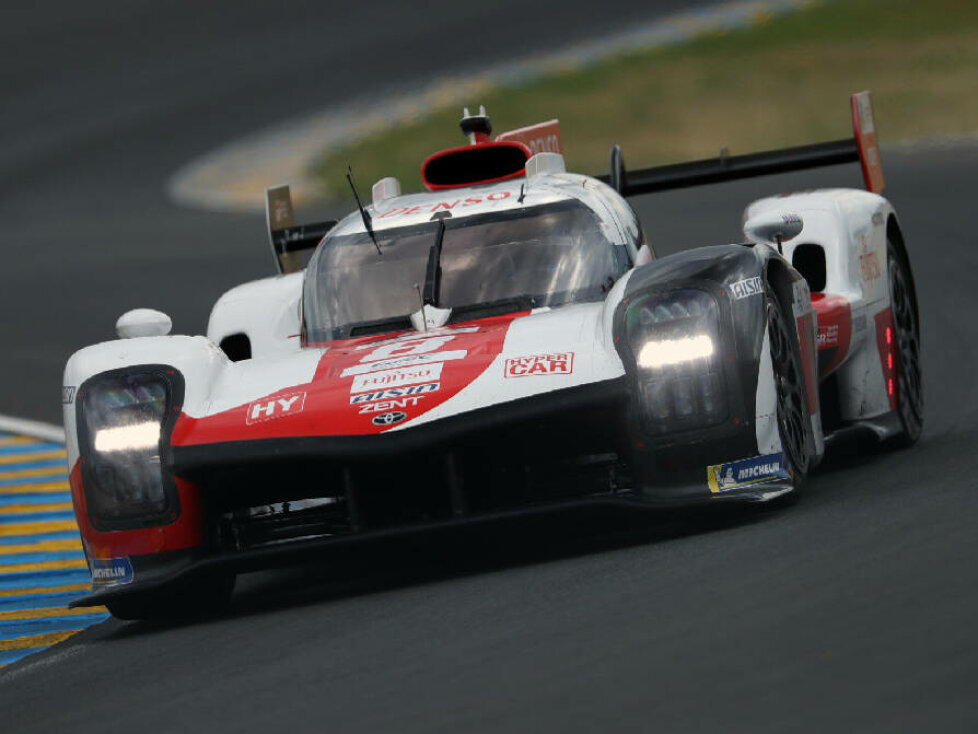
[
  {"x": 782, "y": 277},
  {"x": 894, "y": 234}
]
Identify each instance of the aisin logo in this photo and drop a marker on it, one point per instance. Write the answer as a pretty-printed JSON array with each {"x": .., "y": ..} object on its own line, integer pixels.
[{"x": 388, "y": 419}]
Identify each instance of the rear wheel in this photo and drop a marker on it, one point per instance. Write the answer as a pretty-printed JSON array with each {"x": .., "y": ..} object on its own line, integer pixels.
[
  {"x": 903, "y": 301},
  {"x": 194, "y": 599},
  {"x": 790, "y": 386}
]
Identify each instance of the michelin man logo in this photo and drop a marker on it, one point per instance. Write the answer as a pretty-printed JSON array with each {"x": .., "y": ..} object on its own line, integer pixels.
[{"x": 724, "y": 481}]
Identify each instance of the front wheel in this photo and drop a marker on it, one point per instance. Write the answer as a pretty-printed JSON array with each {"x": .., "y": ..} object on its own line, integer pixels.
[{"x": 790, "y": 386}]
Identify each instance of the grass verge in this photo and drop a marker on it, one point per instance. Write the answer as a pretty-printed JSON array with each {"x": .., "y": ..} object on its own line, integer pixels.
[{"x": 783, "y": 81}]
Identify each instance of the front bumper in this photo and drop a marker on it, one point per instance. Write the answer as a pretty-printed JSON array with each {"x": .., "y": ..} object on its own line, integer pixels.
[{"x": 470, "y": 470}]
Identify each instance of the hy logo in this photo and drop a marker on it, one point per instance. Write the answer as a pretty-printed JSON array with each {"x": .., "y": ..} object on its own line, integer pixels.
[{"x": 272, "y": 408}]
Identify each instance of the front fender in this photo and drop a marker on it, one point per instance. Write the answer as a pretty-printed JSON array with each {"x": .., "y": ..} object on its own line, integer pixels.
[
  {"x": 199, "y": 361},
  {"x": 677, "y": 451}
]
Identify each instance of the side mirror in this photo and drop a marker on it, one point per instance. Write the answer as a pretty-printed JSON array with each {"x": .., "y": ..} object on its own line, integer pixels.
[
  {"x": 143, "y": 322},
  {"x": 773, "y": 228}
]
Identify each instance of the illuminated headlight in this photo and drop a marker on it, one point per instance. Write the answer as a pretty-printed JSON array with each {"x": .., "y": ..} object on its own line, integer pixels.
[
  {"x": 668, "y": 352},
  {"x": 122, "y": 417},
  {"x": 674, "y": 337}
]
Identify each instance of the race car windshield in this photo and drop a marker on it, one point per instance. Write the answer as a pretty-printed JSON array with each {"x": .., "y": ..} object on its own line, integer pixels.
[{"x": 526, "y": 258}]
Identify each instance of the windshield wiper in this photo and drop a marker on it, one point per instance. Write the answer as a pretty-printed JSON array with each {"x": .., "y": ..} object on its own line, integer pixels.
[
  {"x": 432, "y": 277},
  {"x": 364, "y": 214}
]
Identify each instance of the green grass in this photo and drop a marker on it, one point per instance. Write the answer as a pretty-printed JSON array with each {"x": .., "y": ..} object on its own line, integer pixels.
[{"x": 784, "y": 81}]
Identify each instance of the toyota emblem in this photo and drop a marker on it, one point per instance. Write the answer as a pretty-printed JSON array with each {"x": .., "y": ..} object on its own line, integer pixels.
[{"x": 388, "y": 419}]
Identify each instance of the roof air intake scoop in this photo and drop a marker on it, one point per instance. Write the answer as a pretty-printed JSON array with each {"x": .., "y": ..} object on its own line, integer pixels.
[{"x": 480, "y": 162}]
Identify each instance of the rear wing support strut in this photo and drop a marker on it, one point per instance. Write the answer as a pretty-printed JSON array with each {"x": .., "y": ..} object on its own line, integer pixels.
[
  {"x": 287, "y": 239},
  {"x": 861, "y": 147}
]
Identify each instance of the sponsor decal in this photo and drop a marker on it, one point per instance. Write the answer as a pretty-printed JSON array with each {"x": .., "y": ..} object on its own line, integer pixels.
[
  {"x": 543, "y": 137},
  {"x": 385, "y": 405},
  {"x": 865, "y": 110},
  {"x": 801, "y": 298},
  {"x": 414, "y": 359},
  {"x": 275, "y": 408},
  {"x": 412, "y": 337},
  {"x": 388, "y": 379},
  {"x": 404, "y": 211},
  {"x": 746, "y": 288},
  {"x": 555, "y": 363},
  {"x": 388, "y": 419},
  {"x": 747, "y": 473},
  {"x": 828, "y": 336},
  {"x": 869, "y": 267},
  {"x": 68, "y": 394},
  {"x": 403, "y": 352},
  {"x": 406, "y": 347},
  {"x": 111, "y": 571},
  {"x": 394, "y": 392}
]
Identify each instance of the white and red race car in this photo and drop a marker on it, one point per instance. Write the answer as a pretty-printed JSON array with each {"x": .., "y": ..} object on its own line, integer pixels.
[{"x": 504, "y": 342}]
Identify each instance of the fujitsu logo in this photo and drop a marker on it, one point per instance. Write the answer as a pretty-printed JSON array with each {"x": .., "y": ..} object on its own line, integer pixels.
[{"x": 278, "y": 407}]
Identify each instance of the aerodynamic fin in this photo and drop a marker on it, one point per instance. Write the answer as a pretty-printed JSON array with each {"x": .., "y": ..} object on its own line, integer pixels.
[
  {"x": 288, "y": 241},
  {"x": 861, "y": 147}
]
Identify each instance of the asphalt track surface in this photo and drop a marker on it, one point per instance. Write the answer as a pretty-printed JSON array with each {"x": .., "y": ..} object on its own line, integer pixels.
[{"x": 850, "y": 610}]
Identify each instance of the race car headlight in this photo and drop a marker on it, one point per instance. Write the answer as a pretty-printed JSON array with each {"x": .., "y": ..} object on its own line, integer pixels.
[
  {"x": 122, "y": 421},
  {"x": 674, "y": 338}
]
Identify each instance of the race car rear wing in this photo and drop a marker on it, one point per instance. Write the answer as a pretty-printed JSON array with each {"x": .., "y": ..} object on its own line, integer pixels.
[
  {"x": 289, "y": 241},
  {"x": 861, "y": 147}
]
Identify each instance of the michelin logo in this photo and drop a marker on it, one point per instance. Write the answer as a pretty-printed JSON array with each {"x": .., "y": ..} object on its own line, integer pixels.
[
  {"x": 111, "y": 571},
  {"x": 747, "y": 473},
  {"x": 745, "y": 288}
]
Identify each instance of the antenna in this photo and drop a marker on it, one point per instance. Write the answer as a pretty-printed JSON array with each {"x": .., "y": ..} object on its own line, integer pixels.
[
  {"x": 364, "y": 214},
  {"x": 424, "y": 318}
]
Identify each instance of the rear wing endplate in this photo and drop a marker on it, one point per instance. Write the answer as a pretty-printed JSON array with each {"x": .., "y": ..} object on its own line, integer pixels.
[
  {"x": 543, "y": 137},
  {"x": 289, "y": 241},
  {"x": 861, "y": 147}
]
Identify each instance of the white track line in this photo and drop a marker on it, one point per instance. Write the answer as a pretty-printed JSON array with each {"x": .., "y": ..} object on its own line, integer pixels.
[{"x": 36, "y": 429}]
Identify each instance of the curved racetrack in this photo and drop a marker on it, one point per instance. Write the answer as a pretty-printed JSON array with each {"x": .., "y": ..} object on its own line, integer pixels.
[{"x": 851, "y": 610}]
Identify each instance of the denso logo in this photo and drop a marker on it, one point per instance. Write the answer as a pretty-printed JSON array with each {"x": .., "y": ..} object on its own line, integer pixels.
[
  {"x": 557, "y": 363},
  {"x": 272, "y": 408}
]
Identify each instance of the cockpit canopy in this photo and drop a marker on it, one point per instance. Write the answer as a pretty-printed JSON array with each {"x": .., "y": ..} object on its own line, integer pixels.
[{"x": 545, "y": 255}]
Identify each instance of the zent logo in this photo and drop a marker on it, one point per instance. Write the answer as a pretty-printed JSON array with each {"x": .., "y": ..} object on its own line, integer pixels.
[
  {"x": 68, "y": 394},
  {"x": 558, "y": 363},
  {"x": 388, "y": 419},
  {"x": 272, "y": 408}
]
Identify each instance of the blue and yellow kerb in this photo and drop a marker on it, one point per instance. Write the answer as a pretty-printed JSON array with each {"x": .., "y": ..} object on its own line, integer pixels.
[{"x": 42, "y": 566}]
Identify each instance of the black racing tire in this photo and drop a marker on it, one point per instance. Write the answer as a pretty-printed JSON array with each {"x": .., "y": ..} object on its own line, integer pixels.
[
  {"x": 906, "y": 325},
  {"x": 789, "y": 379},
  {"x": 201, "y": 597}
]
